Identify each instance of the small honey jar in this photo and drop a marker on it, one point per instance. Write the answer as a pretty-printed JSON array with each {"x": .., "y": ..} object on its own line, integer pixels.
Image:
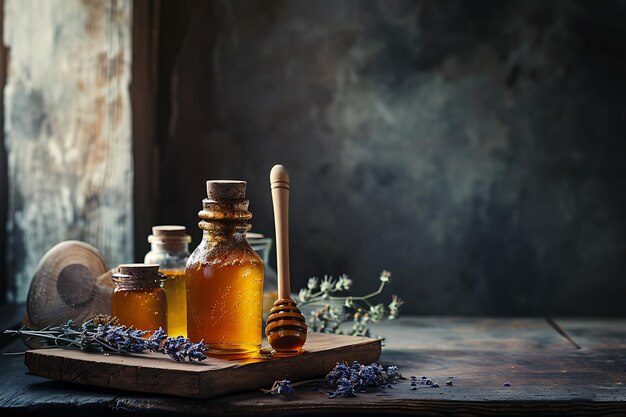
[
  {"x": 138, "y": 298},
  {"x": 170, "y": 249}
]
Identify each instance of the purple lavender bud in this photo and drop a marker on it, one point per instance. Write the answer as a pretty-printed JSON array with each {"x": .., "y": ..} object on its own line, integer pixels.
[{"x": 284, "y": 387}]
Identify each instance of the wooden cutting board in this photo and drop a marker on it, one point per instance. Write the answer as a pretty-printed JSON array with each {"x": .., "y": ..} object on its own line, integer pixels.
[{"x": 156, "y": 373}]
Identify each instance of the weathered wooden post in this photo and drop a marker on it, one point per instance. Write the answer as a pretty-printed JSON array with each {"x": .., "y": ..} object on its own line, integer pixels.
[{"x": 67, "y": 130}]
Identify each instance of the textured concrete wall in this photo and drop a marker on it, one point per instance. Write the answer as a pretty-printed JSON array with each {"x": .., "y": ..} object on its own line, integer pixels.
[{"x": 475, "y": 149}]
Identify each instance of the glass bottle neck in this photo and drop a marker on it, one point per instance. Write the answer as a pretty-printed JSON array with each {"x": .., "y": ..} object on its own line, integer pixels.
[
  {"x": 214, "y": 231},
  {"x": 170, "y": 246}
]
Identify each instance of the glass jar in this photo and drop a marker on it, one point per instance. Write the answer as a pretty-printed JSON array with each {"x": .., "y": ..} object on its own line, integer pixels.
[
  {"x": 170, "y": 249},
  {"x": 262, "y": 245},
  {"x": 138, "y": 299},
  {"x": 224, "y": 276}
]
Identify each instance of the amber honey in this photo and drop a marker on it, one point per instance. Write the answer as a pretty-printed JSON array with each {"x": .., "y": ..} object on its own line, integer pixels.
[
  {"x": 169, "y": 248},
  {"x": 144, "y": 308},
  {"x": 224, "y": 276},
  {"x": 138, "y": 299},
  {"x": 225, "y": 303},
  {"x": 174, "y": 286}
]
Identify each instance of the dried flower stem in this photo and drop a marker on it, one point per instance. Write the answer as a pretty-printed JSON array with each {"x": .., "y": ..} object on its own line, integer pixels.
[
  {"x": 358, "y": 310},
  {"x": 100, "y": 335}
]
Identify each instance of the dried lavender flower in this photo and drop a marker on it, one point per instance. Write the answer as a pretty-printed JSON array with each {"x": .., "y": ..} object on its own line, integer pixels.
[
  {"x": 282, "y": 387},
  {"x": 101, "y": 335},
  {"x": 392, "y": 372},
  {"x": 344, "y": 389},
  {"x": 346, "y": 380}
]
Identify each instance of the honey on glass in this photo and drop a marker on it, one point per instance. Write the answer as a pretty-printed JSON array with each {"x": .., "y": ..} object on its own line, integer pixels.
[
  {"x": 224, "y": 276},
  {"x": 174, "y": 286},
  {"x": 138, "y": 299},
  {"x": 170, "y": 249}
]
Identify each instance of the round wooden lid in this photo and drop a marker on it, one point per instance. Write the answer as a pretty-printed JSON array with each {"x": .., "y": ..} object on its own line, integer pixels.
[{"x": 71, "y": 282}]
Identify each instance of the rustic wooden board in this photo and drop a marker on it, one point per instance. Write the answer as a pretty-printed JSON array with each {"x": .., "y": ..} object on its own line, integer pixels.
[
  {"x": 153, "y": 373},
  {"x": 67, "y": 127}
]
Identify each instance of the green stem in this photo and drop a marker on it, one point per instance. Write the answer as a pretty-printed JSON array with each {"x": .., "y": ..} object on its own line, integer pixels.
[
  {"x": 321, "y": 301},
  {"x": 111, "y": 348}
]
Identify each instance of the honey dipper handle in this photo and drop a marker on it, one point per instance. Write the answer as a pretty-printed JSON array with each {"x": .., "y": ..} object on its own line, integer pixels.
[{"x": 279, "y": 182}]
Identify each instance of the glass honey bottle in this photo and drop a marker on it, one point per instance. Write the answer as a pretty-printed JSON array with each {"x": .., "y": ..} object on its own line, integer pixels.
[
  {"x": 170, "y": 249},
  {"x": 224, "y": 276},
  {"x": 138, "y": 299}
]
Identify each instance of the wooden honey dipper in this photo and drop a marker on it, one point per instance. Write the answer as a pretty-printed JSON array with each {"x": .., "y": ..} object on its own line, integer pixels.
[{"x": 286, "y": 329}]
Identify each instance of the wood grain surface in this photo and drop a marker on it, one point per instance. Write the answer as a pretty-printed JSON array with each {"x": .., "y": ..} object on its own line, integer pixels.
[
  {"x": 154, "y": 373},
  {"x": 548, "y": 376},
  {"x": 67, "y": 130}
]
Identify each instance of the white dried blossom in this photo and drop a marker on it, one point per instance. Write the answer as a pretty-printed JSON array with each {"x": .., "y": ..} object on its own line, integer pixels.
[
  {"x": 312, "y": 284},
  {"x": 327, "y": 284}
]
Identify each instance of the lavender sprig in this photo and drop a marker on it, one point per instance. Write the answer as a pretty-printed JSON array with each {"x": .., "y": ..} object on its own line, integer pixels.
[
  {"x": 282, "y": 387},
  {"x": 96, "y": 335},
  {"x": 346, "y": 380},
  {"x": 178, "y": 348},
  {"x": 285, "y": 387}
]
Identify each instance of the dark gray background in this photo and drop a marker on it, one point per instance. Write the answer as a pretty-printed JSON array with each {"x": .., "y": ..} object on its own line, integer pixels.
[{"x": 475, "y": 149}]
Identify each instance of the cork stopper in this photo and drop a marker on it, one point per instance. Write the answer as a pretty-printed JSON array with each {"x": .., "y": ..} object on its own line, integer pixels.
[
  {"x": 138, "y": 273},
  {"x": 169, "y": 233},
  {"x": 138, "y": 270},
  {"x": 225, "y": 190}
]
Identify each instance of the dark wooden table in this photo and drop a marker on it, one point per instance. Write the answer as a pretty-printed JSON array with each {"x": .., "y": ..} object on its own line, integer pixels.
[{"x": 556, "y": 367}]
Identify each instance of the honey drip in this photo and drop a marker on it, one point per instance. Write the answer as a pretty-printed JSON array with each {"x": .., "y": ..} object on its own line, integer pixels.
[
  {"x": 141, "y": 308},
  {"x": 174, "y": 287}
]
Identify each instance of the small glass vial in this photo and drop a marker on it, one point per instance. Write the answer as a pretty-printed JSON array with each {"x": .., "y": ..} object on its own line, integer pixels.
[
  {"x": 138, "y": 298},
  {"x": 224, "y": 276},
  {"x": 170, "y": 249}
]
